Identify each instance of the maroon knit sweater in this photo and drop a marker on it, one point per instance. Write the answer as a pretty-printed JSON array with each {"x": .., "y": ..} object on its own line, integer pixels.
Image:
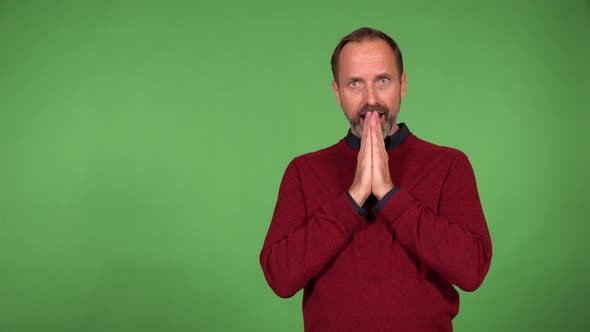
[{"x": 392, "y": 270}]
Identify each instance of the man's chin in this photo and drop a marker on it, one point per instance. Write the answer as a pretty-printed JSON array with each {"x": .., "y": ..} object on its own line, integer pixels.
[
  {"x": 382, "y": 119},
  {"x": 358, "y": 129}
]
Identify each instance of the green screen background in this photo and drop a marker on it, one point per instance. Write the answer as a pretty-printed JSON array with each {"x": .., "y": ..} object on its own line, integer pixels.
[{"x": 142, "y": 145}]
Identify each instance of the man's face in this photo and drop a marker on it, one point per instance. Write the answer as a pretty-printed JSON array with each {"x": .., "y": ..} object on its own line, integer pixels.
[{"x": 368, "y": 80}]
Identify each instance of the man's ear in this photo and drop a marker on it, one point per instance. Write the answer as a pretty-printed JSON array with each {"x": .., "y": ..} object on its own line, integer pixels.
[
  {"x": 403, "y": 85},
  {"x": 336, "y": 92}
]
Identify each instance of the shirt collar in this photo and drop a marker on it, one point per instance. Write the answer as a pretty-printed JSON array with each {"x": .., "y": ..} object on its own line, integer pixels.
[{"x": 391, "y": 141}]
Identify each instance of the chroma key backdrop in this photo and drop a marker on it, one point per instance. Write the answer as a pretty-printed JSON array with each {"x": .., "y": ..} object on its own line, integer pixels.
[{"x": 142, "y": 144}]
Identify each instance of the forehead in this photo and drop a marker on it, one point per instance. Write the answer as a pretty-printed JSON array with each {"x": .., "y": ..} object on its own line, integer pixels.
[{"x": 366, "y": 57}]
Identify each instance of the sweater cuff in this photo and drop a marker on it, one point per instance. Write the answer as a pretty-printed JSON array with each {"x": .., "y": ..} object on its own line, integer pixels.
[
  {"x": 359, "y": 210},
  {"x": 385, "y": 198},
  {"x": 392, "y": 211},
  {"x": 344, "y": 214}
]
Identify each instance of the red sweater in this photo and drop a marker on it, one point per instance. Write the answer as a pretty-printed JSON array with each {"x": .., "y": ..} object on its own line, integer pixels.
[{"x": 391, "y": 272}]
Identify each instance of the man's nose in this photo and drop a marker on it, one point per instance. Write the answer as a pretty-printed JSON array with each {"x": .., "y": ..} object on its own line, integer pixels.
[{"x": 370, "y": 95}]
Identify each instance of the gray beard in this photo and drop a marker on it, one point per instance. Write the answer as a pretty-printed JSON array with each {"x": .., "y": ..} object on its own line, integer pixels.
[
  {"x": 385, "y": 127},
  {"x": 355, "y": 122}
]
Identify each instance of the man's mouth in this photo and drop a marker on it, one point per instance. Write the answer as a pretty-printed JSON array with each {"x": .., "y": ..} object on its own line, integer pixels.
[
  {"x": 381, "y": 114},
  {"x": 362, "y": 118}
]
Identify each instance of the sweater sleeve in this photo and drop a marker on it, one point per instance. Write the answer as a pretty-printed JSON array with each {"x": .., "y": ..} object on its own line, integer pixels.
[
  {"x": 456, "y": 241},
  {"x": 296, "y": 247}
]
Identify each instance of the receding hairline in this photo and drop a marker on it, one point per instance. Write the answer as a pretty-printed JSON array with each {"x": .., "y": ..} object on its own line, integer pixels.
[
  {"x": 362, "y": 35},
  {"x": 353, "y": 56}
]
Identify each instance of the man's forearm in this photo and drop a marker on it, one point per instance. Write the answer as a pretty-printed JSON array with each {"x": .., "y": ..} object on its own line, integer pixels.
[
  {"x": 296, "y": 247},
  {"x": 456, "y": 241}
]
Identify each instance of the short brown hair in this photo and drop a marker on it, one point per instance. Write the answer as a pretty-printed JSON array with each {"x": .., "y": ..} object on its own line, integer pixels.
[{"x": 360, "y": 35}]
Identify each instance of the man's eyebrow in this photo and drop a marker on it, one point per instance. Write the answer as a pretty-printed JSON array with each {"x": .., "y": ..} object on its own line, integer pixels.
[{"x": 352, "y": 78}]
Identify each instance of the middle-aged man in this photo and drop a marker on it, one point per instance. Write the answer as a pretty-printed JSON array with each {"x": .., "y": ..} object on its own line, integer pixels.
[{"x": 378, "y": 227}]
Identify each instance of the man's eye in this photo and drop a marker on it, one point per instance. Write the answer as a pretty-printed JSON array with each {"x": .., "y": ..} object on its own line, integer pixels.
[
  {"x": 353, "y": 84},
  {"x": 384, "y": 80}
]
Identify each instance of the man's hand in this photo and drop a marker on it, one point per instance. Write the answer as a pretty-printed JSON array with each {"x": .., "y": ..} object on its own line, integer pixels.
[
  {"x": 361, "y": 185},
  {"x": 372, "y": 169},
  {"x": 381, "y": 182}
]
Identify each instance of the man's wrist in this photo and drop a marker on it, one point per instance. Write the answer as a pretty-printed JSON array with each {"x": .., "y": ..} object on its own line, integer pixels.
[
  {"x": 385, "y": 198},
  {"x": 360, "y": 210},
  {"x": 358, "y": 198},
  {"x": 384, "y": 191}
]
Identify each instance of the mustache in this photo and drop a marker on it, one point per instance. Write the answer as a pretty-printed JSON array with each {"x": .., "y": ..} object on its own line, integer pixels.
[{"x": 381, "y": 109}]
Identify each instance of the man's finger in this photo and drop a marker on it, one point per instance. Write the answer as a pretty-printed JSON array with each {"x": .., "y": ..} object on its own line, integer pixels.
[
  {"x": 378, "y": 125},
  {"x": 365, "y": 133},
  {"x": 369, "y": 122},
  {"x": 379, "y": 133},
  {"x": 374, "y": 133},
  {"x": 365, "y": 138}
]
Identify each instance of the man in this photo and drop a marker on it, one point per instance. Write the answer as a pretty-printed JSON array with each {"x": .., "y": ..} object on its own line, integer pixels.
[{"x": 378, "y": 227}]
